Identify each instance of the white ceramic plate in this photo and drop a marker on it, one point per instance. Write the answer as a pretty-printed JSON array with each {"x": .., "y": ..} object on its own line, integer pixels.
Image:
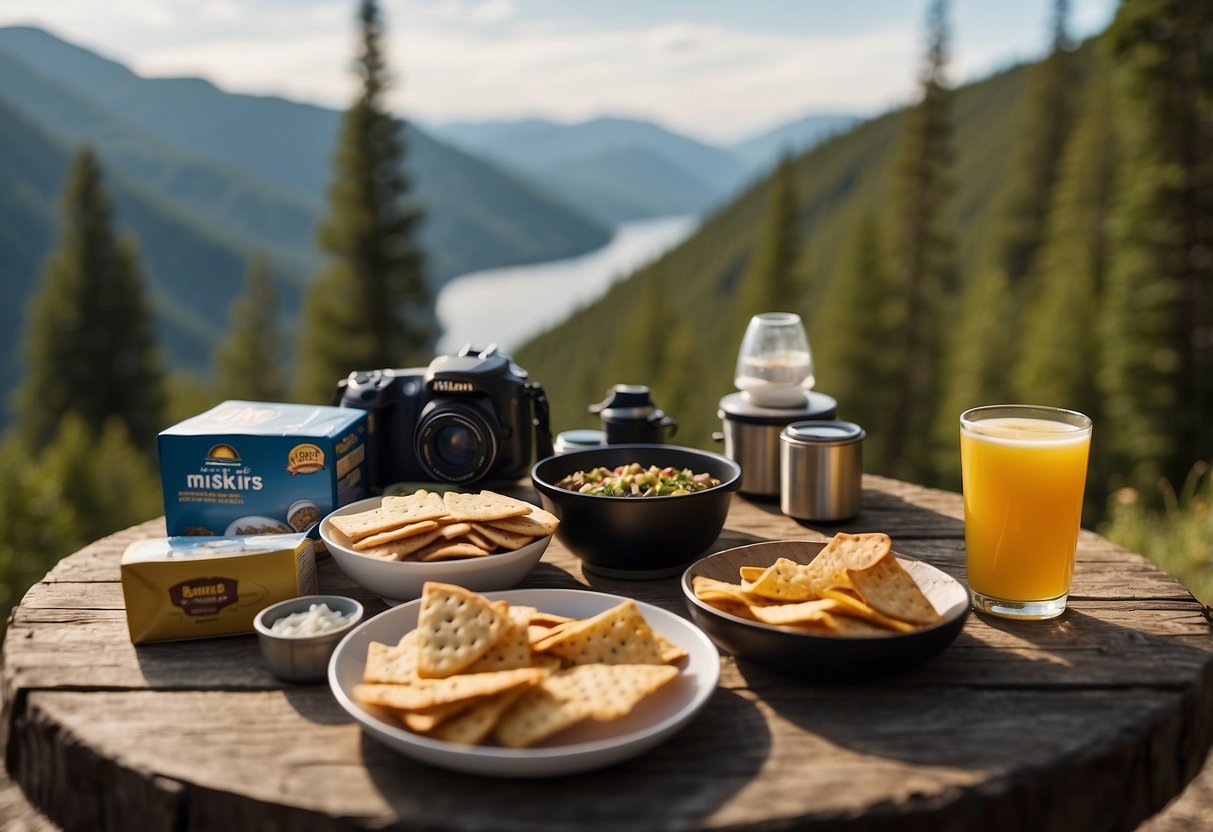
[{"x": 584, "y": 747}]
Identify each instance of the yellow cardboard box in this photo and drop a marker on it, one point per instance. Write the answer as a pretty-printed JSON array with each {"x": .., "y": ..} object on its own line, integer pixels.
[{"x": 198, "y": 587}]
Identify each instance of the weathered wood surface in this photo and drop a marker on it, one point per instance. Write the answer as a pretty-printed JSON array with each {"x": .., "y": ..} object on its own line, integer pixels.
[{"x": 1092, "y": 721}]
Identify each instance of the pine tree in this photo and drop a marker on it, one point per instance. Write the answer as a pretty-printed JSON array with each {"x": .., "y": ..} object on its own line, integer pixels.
[
  {"x": 371, "y": 305},
  {"x": 853, "y": 360},
  {"x": 1048, "y": 120},
  {"x": 1157, "y": 320},
  {"x": 769, "y": 284},
  {"x": 250, "y": 363},
  {"x": 82, "y": 486},
  {"x": 89, "y": 344},
  {"x": 976, "y": 364},
  {"x": 1060, "y": 346},
  {"x": 923, "y": 278}
]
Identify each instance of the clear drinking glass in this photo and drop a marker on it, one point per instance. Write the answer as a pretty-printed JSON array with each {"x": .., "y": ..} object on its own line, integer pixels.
[
  {"x": 1024, "y": 469},
  {"x": 774, "y": 364}
]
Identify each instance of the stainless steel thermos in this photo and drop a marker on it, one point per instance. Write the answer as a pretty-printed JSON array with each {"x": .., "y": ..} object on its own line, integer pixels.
[
  {"x": 751, "y": 436},
  {"x": 821, "y": 470}
]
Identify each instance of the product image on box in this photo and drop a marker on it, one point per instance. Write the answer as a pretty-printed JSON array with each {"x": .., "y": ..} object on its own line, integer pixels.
[{"x": 246, "y": 468}]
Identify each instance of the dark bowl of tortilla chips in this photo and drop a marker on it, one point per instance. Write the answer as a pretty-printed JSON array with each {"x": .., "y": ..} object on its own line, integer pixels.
[{"x": 858, "y": 614}]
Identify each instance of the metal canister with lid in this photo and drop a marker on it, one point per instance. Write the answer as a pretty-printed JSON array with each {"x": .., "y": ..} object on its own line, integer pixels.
[
  {"x": 751, "y": 436},
  {"x": 821, "y": 470}
]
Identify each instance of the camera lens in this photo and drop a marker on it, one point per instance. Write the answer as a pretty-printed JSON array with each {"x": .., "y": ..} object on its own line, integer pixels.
[{"x": 455, "y": 442}]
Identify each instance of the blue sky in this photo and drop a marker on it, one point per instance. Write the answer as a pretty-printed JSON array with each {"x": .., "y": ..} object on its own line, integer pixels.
[{"x": 717, "y": 69}]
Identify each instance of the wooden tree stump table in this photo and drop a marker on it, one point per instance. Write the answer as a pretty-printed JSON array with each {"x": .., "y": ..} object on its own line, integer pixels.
[{"x": 1092, "y": 721}]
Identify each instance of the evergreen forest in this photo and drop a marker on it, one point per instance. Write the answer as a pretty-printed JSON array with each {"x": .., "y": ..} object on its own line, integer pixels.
[{"x": 1043, "y": 235}]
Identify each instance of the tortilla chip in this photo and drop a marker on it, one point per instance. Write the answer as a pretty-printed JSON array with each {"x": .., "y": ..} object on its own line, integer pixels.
[{"x": 888, "y": 588}]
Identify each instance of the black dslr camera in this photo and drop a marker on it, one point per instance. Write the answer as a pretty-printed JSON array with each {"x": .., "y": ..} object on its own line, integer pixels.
[{"x": 466, "y": 417}]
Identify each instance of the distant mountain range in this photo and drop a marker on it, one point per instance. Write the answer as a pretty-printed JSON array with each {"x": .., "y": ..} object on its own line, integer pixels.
[
  {"x": 623, "y": 169},
  {"x": 205, "y": 178}
]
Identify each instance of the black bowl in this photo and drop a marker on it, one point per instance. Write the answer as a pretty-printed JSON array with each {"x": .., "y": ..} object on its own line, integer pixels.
[
  {"x": 637, "y": 537},
  {"x": 822, "y": 658}
]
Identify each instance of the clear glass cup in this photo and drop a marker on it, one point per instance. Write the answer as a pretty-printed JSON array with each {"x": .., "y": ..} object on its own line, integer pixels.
[
  {"x": 1024, "y": 470},
  {"x": 775, "y": 364}
]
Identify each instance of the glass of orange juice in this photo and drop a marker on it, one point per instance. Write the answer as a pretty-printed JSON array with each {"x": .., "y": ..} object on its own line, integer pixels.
[{"x": 1024, "y": 468}]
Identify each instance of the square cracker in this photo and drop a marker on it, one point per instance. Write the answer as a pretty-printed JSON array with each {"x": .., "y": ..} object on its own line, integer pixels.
[
  {"x": 391, "y": 663},
  {"x": 455, "y": 627},
  {"x": 391, "y": 535},
  {"x": 487, "y": 505},
  {"x": 476, "y": 722},
  {"x": 450, "y": 550},
  {"x": 512, "y": 649},
  {"x": 610, "y": 690},
  {"x": 502, "y": 538},
  {"x": 538, "y": 523},
  {"x": 424, "y": 694},
  {"x": 402, "y": 549},
  {"x": 537, "y": 715},
  {"x": 392, "y": 513},
  {"x": 619, "y": 635}
]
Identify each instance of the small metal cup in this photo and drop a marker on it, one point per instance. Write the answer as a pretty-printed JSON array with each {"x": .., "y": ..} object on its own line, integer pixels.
[
  {"x": 821, "y": 470},
  {"x": 303, "y": 658}
]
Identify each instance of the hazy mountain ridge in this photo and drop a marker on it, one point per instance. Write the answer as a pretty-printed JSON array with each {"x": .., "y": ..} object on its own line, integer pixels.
[
  {"x": 666, "y": 173},
  {"x": 200, "y": 211},
  {"x": 284, "y": 148}
]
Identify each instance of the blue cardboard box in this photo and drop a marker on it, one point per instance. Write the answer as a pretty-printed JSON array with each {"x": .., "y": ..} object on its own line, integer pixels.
[{"x": 261, "y": 467}]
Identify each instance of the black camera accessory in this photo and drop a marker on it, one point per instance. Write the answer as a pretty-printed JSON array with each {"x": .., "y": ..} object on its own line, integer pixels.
[{"x": 629, "y": 416}]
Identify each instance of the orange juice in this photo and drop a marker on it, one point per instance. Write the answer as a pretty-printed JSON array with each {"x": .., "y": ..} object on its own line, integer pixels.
[{"x": 1023, "y": 485}]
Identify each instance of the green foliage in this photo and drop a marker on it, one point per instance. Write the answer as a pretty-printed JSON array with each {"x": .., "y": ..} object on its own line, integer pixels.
[
  {"x": 82, "y": 486},
  {"x": 251, "y": 363},
  {"x": 1178, "y": 536},
  {"x": 89, "y": 342},
  {"x": 1157, "y": 373},
  {"x": 769, "y": 285},
  {"x": 370, "y": 306},
  {"x": 1040, "y": 144},
  {"x": 1060, "y": 346},
  {"x": 923, "y": 271},
  {"x": 856, "y": 366},
  {"x": 976, "y": 364}
]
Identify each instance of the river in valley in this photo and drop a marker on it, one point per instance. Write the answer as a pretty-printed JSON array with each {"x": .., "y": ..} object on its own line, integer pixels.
[{"x": 508, "y": 305}]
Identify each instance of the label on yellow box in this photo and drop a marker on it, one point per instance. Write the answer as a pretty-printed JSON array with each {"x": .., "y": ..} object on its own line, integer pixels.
[{"x": 199, "y": 587}]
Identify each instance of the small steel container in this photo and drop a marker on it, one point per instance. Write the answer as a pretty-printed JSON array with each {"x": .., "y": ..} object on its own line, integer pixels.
[
  {"x": 751, "y": 436},
  {"x": 578, "y": 440},
  {"x": 821, "y": 470},
  {"x": 303, "y": 658}
]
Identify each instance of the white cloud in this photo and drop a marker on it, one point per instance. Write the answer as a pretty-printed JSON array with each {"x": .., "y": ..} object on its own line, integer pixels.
[
  {"x": 707, "y": 79},
  {"x": 480, "y": 59}
]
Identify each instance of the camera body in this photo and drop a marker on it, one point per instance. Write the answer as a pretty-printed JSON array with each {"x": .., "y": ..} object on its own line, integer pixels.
[{"x": 466, "y": 417}]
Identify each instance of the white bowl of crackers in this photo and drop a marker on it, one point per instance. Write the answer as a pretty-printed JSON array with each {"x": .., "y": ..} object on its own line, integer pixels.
[{"x": 481, "y": 541}]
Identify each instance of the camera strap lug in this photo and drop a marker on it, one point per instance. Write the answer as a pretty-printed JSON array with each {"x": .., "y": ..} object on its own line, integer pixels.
[{"x": 543, "y": 429}]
